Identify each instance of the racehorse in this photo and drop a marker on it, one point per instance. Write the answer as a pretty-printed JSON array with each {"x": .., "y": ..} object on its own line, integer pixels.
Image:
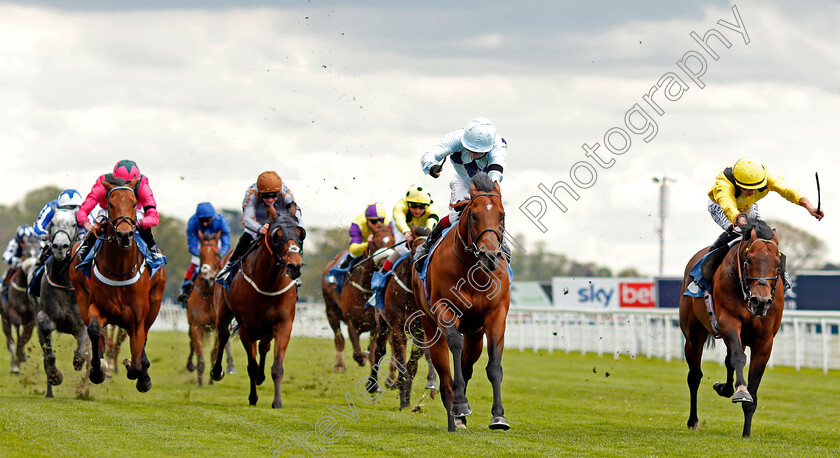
[
  {"x": 350, "y": 304},
  {"x": 262, "y": 298},
  {"x": 469, "y": 293},
  {"x": 57, "y": 309},
  {"x": 748, "y": 297},
  {"x": 400, "y": 306},
  {"x": 122, "y": 290},
  {"x": 201, "y": 314},
  {"x": 18, "y": 312}
]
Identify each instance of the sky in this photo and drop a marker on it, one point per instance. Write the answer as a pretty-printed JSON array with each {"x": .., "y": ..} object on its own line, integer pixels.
[{"x": 342, "y": 100}]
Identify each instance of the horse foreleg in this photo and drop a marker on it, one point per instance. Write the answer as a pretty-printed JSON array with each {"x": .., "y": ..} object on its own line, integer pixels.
[
  {"x": 735, "y": 361},
  {"x": 398, "y": 347},
  {"x": 94, "y": 331},
  {"x": 378, "y": 338},
  {"x": 230, "y": 367},
  {"x": 460, "y": 406},
  {"x": 253, "y": 367},
  {"x": 23, "y": 339},
  {"x": 196, "y": 344},
  {"x": 10, "y": 344},
  {"x": 334, "y": 318},
  {"x": 495, "y": 329},
  {"x": 282, "y": 333},
  {"x": 759, "y": 356},
  {"x": 265, "y": 345},
  {"x": 473, "y": 344},
  {"x": 45, "y": 328},
  {"x": 431, "y": 377},
  {"x": 358, "y": 356},
  {"x": 223, "y": 317},
  {"x": 139, "y": 367},
  {"x": 190, "y": 364}
]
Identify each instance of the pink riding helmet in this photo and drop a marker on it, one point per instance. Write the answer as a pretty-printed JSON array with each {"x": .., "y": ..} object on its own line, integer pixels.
[{"x": 127, "y": 170}]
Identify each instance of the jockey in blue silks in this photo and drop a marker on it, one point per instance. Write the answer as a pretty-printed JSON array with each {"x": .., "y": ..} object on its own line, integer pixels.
[
  {"x": 206, "y": 221},
  {"x": 69, "y": 199}
]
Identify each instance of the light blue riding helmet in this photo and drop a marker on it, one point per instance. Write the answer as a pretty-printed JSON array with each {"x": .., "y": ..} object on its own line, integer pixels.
[{"x": 69, "y": 199}]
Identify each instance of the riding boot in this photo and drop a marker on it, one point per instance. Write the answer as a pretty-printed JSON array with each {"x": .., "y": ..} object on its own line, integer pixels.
[
  {"x": 506, "y": 251},
  {"x": 783, "y": 270},
  {"x": 421, "y": 251},
  {"x": 184, "y": 293},
  {"x": 45, "y": 253},
  {"x": 716, "y": 253},
  {"x": 149, "y": 238},
  {"x": 241, "y": 247},
  {"x": 87, "y": 242}
]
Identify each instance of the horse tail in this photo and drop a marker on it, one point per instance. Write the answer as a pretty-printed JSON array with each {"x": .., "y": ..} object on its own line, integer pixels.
[
  {"x": 710, "y": 341},
  {"x": 234, "y": 328}
]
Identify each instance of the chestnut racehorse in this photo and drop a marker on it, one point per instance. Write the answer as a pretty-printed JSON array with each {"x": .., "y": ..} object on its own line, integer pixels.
[
  {"x": 121, "y": 290},
  {"x": 262, "y": 298},
  {"x": 399, "y": 304},
  {"x": 350, "y": 304},
  {"x": 748, "y": 298},
  {"x": 201, "y": 314},
  {"x": 469, "y": 293}
]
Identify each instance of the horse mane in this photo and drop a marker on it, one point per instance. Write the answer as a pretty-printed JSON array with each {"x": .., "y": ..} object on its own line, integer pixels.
[
  {"x": 483, "y": 182},
  {"x": 762, "y": 230},
  {"x": 116, "y": 181}
]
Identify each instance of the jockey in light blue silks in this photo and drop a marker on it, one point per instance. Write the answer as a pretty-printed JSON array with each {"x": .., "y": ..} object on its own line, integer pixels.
[
  {"x": 69, "y": 199},
  {"x": 475, "y": 148},
  {"x": 205, "y": 221}
]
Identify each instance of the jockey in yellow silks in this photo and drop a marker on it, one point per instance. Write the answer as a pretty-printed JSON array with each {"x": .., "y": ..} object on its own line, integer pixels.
[
  {"x": 735, "y": 191},
  {"x": 362, "y": 228},
  {"x": 415, "y": 209}
]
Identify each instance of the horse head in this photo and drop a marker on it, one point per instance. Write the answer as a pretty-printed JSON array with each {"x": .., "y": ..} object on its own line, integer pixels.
[
  {"x": 62, "y": 233},
  {"x": 122, "y": 211},
  {"x": 284, "y": 239},
  {"x": 209, "y": 258},
  {"x": 420, "y": 235},
  {"x": 484, "y": 218},
  {"x": 760, "y": 267},
  {"x": 382, "y": 243}
]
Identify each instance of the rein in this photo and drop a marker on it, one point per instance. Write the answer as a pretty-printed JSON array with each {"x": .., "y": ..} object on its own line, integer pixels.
[
  {"x": 742, "y": 270},
  {"x": 471, "y": 248}
]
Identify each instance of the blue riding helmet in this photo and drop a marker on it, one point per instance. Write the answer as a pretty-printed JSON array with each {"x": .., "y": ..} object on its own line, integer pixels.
[
  {"x": 205, "y": 210},
  {"x": 24, "y": 231},
  {"x": 69, "y": 198}
]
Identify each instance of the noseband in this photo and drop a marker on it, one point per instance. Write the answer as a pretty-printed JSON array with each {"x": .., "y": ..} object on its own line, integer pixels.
[
  {"x": 743, "y": 278},
  {"x": 469, "y": 245}
]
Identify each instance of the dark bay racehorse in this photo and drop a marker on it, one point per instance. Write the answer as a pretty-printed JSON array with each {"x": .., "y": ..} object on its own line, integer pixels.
[
  {"x": 18, "y": 314},
  {"x": 349, "y": 304},
  {"x": 400, "y": 306},
  {"x": 201, "y": 314},
  {"x": 469, "y": 297},
  {"x": 123, "y": 293},
  {"x": 262, "y": 298},
  {"x": 748, "y": 298},
  {"x": 57, "y": 309}
]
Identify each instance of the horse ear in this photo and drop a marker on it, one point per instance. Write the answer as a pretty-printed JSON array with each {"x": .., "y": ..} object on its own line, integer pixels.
[
  {"x": 496, "y": 187},
  {"x": 272, "y": 213},
  {"x": 108, "y": 186},
  {"x": 132, "y": 184}
]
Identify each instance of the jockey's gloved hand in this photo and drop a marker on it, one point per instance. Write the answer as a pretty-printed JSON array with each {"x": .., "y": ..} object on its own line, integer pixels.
[{"x": 435, "y": 170}]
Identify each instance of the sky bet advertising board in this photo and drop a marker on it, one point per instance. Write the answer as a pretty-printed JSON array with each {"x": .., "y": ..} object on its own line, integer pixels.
[{"x": 602, "y": 292}]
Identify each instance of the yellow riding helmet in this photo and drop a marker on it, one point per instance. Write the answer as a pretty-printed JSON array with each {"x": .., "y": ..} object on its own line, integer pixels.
[
  {"x": 749, "y": 174},
  {"x": 269, "y": 182},
  {"x": 416, "y": 195}
]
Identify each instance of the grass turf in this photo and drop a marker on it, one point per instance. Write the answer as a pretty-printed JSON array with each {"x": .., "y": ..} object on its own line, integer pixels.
[{"x": 557, "y": 404}]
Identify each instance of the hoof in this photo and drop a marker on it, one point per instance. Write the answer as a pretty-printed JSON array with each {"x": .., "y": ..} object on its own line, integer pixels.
[
  {"x": 694, "y": 427},
  {"x": 431, "y": 385},
  {"x": 499, "y": 423},
  {"x": 96, "y": 375},
  {"x": 190, "y": 366},
  {"x": 252, "y": 401},
  {"x": 260, "y": 379},
  {"x": 15, "y": 369},
  {"x": 129, "y": 373},
  {"x": 460, "y": 410},
  {"x": 217, "y": 374},
  {"x": 78, "y": 362},
  {"x": 372, "y": 386},
  {"x": 432, "y": 394},
  {"x": 742, "y": 395},
  {"x": 723, "y": 389},
  {"x": 277, "y": 404},
  {"x": 55, "y": 377},
  {"x": 339, "y": 368},
  {"x": 231, "y": 370},
  {"x": 144, "y": 384},
  {"x": 460, "y": 422}
]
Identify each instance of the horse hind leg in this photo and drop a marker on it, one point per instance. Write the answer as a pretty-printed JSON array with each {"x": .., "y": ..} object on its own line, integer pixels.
[
  {"x": 431, "y": 377},
  {"x": 253, "y": 367},
  {"x": 334, "y": 319},
  {"x": 80, "y": 356},
  {"x": 693, "y": 357},
  {"x": 265, "y": 345},
  {"x": 726, "y": 389},
  {"x": 223, "y": 318},
  {"x": 10, "y": 345},
  {"x": 231, "y": 369}
]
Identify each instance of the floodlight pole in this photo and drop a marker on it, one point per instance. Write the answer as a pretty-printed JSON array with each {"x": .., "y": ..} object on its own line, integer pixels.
[{"x": 663, "y": 203}]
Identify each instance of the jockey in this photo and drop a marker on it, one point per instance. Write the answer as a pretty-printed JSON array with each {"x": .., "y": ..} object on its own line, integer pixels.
[
  {"x": 475, "y": 148},
  {"x": 14, "y": 254},
  {"x": 735, "y": 191},
  {"x": 205, "y": 221},
  {"x": 147, "y": 214},
  {"x": 415, "y": 209},
  {"x": 268, "y": 191},
  {"x": 362, "y": 229},
  {"x": 69, "y": 199}
]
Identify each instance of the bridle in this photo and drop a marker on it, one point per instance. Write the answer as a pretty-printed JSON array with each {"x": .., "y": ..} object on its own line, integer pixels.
[
  {"x": 743, "y": 278},
  {"x": 113, "y": 223},
  {"x": 469, "y": 245},
  {"x": 279, "y": 254}
]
